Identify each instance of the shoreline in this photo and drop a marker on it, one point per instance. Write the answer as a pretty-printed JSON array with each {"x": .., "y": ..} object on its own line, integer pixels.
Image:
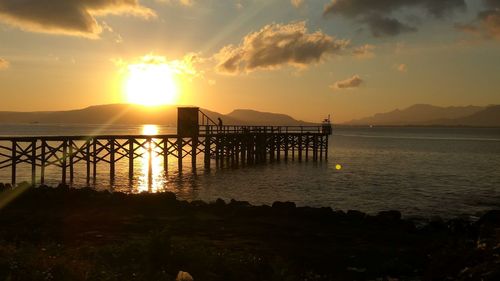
[{"x": 83, "y": 234}]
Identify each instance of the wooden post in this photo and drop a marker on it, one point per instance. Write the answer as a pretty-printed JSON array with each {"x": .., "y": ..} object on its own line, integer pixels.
[
  {"x": 286, "y": 146},
  {"x": 232, "y": 149},
  {"x": 131, "y": 160},
  {"x": 194, "y": 150},
  {"x": 207, "y": 151},
  {"x": 42, "y": 164},
  {"x": 278, "y": 147},
  {"x": 272, "y": 147},
  {"x": 179, "y": 153},
  {"x": 111, "y": 161},
  {"x": 64, "y": 163},
  {"x": 243, "y": 146},
  {"x": 326, "y": 149},
  {"x": 307, "y": 147},
  {"x": 250, "y": 141},
  {"x": 94, "y": 161},
  {"x": 315, "y": 148},
  {"x": 237, "y": 143},
  {"x": 71, "y": 168},
  {"x": 217, "y": 150},
  {"x": 33, "y": 163},
  {"x": 14, "y": 162},
  {"x": 300, "y": 147},
  {"x": 150, "y": 163},
  {"x": 87, "y": 160},
  {"x": 165, "y": 154},
  {"x": 321, "y": 147}
]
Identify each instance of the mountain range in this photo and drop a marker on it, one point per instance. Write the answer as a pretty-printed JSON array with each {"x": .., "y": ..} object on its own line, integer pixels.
[
  {"x": 429, "y": 115},
  {"x": 136, "y": 114},
  {"x": 415, "y": 115}
]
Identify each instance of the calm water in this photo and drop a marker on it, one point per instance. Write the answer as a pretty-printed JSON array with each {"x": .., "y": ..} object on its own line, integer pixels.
[{"x": 420, "y": 171}]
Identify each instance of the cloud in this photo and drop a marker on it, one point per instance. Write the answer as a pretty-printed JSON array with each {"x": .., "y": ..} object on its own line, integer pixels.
[
  {"x": 364, "y": 51},
  {"x": 188, "y": 3},
  {"x": 490, "y": 22},
  {"x": 4, "y": 64},
  {"x": 297, "y": 3},
  {"x": 487, "y": 22},
  {"x": 379, "y": 15},
  {"x": 381, "y": 26},
  {"x": 67, "y": 17},
  {"x": 277, "y": 45},
  {"x": 349, "y": 83}
]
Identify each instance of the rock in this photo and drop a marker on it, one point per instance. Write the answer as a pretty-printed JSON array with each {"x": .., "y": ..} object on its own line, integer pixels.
[
  {"x": 489, "y": 230},
  {"x": 437, "y": 223},
  {"x": 184, "y": 276},
  {"x": 354, "y": 214},
  {"x": 198, "y": 203},
  {"x": 490, "y": 218},
  {"x": 24, "y": 184},
  {"x": 168, "y": 196},
  {"x": 391, "y": 215},
  {"x": 458, "y": 225},
  {"x": 63, "y": 186},
  {"x": 283, "y": 205},
  {"x": 235, "y": 203},
  {"x": 220, "y": 202}
]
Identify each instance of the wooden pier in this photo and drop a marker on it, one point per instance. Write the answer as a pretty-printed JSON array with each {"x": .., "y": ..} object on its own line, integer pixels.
[{"x": 197, "y": 138}]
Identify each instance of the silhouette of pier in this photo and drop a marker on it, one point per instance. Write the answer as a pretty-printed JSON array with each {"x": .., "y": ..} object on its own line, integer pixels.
[{"x": 198, "y": 136}]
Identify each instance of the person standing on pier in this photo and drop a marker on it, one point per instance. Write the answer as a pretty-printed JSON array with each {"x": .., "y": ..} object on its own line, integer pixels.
[{"x": 220, "y": 124}]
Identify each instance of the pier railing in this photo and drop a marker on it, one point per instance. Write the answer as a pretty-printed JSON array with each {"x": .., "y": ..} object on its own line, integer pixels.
[{"x": 242, "y": 129}]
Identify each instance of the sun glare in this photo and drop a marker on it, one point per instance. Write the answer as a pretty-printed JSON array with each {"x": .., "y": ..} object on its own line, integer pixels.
[
  {"x": 150, "y": 130},
  {"x": 151, "y": 83}
]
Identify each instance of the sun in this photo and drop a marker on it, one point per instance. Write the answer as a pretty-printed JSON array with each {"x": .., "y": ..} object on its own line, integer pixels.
[{"x": 151, "y": 83}]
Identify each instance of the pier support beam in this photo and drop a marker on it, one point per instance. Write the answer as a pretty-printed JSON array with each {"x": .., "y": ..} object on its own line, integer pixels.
[
  {"x": 131, "y": 160},
  {"x": 14, "y": 163},
  {"x": 111, "y": 161},
  {"x": 33, "y": 163}
]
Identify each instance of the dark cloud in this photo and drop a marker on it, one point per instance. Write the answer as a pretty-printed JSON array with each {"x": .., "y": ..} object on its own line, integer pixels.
[
  {"x": 70, "y": 17},
  {"x": 276, "y": 45},
  {"x": 487, "y": 22},
  {"x": 4, "y": 64},
  {"x": 349, "y": 83},
  {"x": 378, "y": 15},
  {"x": 381, "y": 26},
  {"x": 494, "y": 4},
  {"x": 354, "y": 8}
]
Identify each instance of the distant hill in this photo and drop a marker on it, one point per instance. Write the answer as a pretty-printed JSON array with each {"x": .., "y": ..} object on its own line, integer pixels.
[
  {"x": 425, "y": 115},
  {"x": 488, "y": 117},
  {"x": 263, "y": 118},
  {"x": 135, "y": 114}
]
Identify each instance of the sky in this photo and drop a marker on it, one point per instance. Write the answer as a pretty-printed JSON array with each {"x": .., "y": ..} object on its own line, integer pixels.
[{"x": 305, "y": 58}]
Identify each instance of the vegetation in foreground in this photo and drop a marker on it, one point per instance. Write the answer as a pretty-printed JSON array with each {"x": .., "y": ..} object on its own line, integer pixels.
[{"x": 81, "y": 234}]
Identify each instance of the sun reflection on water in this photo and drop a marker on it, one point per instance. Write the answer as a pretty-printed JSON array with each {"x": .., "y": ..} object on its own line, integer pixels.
[{"x": 152, "y": 176}]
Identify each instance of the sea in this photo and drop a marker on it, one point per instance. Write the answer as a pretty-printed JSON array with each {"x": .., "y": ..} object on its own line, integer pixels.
[{"x": 420, "y": 171}]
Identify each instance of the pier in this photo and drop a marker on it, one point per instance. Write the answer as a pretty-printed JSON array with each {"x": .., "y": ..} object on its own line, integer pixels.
[{"x": 198, "y": 138}]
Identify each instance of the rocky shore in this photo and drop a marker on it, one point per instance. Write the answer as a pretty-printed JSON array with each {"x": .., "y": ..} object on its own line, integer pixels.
[{"x": 81, "y": 234}]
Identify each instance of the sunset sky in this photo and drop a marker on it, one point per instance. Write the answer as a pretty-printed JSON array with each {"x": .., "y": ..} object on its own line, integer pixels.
[{"x": 306, "y": 58}]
